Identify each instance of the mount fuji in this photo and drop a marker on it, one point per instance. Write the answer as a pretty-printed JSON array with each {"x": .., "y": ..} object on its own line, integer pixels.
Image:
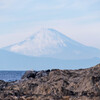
[
  {"x": 48, "y": 49},
  {"x": 53, "y": 44}
]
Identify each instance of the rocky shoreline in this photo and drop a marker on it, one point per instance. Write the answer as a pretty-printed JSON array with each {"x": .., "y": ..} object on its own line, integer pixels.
[{"x": 82, "y": 84}]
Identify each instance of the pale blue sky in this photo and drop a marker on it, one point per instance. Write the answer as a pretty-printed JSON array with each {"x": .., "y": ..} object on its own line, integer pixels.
[{"x": 78, "y": 19}]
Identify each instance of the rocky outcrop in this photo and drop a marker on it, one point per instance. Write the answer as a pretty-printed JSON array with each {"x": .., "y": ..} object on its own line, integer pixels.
[
  {"x": 82, "y": 84},
  {"x": 35, "y": 74}
]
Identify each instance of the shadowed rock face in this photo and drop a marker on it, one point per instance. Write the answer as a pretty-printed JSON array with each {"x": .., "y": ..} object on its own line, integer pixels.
[{"x": 82, "y": 84}]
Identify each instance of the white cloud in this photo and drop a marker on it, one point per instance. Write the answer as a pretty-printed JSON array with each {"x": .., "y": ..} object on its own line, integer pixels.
[
  {"x": 78, "y": 4},
  {"x": 29, "y": 4},
  {"x": 44, "y": 5}
]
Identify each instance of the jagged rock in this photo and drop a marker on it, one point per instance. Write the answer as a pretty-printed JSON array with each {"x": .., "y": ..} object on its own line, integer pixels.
[
  {"x": 35, "y": 74},
  {"x": 29, "y": 74},
  {"x": 82, "y": 84}
]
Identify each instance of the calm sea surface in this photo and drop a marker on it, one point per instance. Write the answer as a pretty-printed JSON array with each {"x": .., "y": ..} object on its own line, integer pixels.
[{"x": 11, "y": 75}]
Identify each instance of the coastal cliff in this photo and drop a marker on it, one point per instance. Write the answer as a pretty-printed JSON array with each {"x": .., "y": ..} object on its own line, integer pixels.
[{"x": 55, "y": 84}]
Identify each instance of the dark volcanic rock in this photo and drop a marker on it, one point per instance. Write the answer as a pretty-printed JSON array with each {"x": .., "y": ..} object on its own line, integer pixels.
[
  {"x": 29, "y": 74},
  {"x": 35, "y": 74},
  {"x": 82, "y": 84}
]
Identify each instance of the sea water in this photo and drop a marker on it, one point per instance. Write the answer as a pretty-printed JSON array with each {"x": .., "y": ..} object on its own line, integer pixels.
[{"x": 11, "y": 75}]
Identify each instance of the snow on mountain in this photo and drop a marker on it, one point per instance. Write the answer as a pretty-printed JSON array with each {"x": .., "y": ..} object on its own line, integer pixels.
[
  {"x": 51, "y": 43},
  {"x": 42, "y": 43}
]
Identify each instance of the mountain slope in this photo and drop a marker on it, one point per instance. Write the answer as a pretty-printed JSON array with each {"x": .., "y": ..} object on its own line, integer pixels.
[
  {"x": 51, "y": 43},
  {"x": 14, "y": 61}
]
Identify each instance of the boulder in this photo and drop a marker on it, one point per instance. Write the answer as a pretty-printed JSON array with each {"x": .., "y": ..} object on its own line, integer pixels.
[
  {"x": 35, "y": 74},
  {"x": 29, "y": 74}
]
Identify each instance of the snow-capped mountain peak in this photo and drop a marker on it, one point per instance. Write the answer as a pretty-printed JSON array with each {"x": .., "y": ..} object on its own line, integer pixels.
[
  {"x": 51, "y": 43},
  {"x": 43, "y": 42}
]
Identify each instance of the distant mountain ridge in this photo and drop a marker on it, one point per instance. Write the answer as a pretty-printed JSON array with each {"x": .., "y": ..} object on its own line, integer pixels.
[
  {"x": 14, "y": 61},
  {"x": 51, "y": 43}
]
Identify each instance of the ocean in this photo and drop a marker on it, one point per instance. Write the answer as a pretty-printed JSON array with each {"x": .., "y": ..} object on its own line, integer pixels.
[{"x": 11, "y": 75}]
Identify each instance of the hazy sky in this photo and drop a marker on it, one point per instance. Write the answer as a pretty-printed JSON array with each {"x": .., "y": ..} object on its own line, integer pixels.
[{"x": 78, "y": 19}]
